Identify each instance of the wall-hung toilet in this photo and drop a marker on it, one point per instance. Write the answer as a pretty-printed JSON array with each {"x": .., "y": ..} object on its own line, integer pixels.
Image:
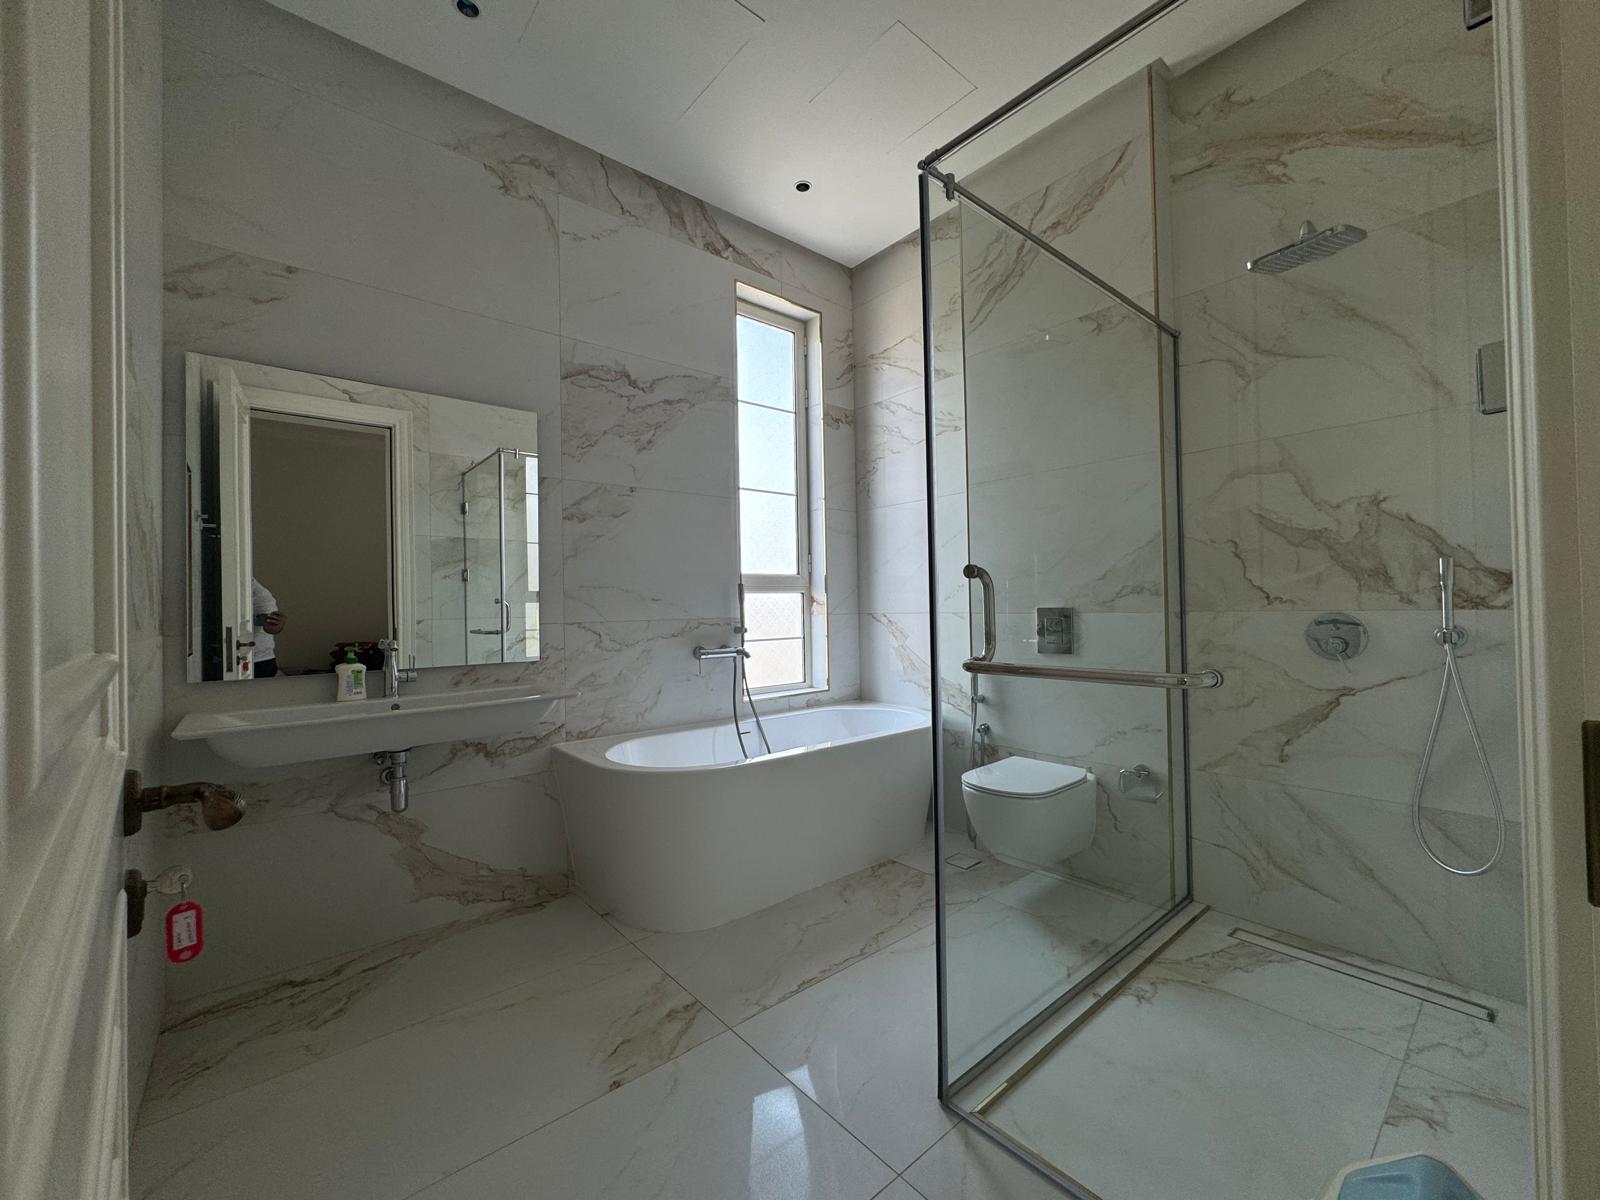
[{"x": 1028, "y": 812}]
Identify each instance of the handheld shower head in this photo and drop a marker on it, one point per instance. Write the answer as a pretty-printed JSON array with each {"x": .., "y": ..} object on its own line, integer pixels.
[{"x": 1311, "y": 245}]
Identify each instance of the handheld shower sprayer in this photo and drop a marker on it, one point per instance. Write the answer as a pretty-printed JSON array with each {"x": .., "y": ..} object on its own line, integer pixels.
[{"x": 1450, "y": 635}]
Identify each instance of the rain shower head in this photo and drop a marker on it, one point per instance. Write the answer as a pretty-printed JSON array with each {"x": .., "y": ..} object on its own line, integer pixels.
[{"x": 1311, "y": 245}]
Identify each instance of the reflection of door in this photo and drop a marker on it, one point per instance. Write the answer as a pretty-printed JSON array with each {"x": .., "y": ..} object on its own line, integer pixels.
[
  {"x": 233, "y": 523},
  {"x": 63, "y": 1109}
]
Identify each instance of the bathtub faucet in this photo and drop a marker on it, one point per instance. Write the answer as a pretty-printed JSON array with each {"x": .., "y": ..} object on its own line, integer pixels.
[{"x": 704, "y": 653}]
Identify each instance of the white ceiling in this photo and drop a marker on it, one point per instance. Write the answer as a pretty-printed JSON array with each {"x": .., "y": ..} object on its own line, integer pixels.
[{"x": 735, "y": 100}]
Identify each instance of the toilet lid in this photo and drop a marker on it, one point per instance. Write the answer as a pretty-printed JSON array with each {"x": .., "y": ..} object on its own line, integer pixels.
[{"x": 1023, "y": 777}]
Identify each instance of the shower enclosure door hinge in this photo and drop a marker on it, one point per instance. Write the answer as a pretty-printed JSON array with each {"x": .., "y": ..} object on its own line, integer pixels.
[
  {"x": 464, "y": 507},
  {"x": 1591, "y": 807}
]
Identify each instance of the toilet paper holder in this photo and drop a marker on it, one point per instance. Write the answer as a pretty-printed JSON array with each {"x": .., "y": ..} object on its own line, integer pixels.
[{"x": 1139, "y": 782}]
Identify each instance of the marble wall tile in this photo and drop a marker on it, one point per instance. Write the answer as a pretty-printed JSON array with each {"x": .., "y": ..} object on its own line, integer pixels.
[
  {"x": 1346, "y": 871},
  {"x": 891, "y": 459},
  {"x": 891, "y": 267},
  {"x": 888, "y": 339},
  {"x": 276, "y": 43},
  {"x": 628, "y": 288},
  {"x": 1087, "y": 391},
  {"x": 894, "y": 658},
  {"x": 637, "y": 422},
  {"x": 1395, "y": 126},
  {"x": 1353, "y": 517},
  {"x": 582, "y": 1031},
  {"x": 1285, "y": 715},
  {"x": 1088, "y": 536},
  {"x": 229, "y": 183},
  {"x": 1389, "y": 326},
  {"x": 634, "y": 675},
  {"x": 237, "y": 305},
  {"x": 894, "y": 539},
  {"x": 625, "y": 557},
  {"x": 843, "y": 590}
]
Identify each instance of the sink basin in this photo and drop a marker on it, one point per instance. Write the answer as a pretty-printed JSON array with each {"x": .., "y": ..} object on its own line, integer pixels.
[{"x": 269, "y": 737}]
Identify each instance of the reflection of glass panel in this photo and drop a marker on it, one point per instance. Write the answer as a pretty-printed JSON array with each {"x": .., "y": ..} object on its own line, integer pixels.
[
  {"x": 770, "y": 615},
  {"x": 767, "y": 534},
  {"x": 773, "y": 664},
  {"x": 766, "y": 364}
]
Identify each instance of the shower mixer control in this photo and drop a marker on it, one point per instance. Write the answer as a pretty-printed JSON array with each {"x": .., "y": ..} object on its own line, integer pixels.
[{"x": 1336, "y": 636}]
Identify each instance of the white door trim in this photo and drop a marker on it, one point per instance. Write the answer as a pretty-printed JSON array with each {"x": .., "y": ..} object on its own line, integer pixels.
[{"x": 1544, "y": 137}]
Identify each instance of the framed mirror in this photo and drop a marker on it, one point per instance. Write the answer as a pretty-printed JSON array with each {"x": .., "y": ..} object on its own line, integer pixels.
[{"x": 328, "y": 516}]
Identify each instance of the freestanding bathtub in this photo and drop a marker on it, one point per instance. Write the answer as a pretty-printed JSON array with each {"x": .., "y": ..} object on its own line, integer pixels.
[{"x": 675, "y": 831}]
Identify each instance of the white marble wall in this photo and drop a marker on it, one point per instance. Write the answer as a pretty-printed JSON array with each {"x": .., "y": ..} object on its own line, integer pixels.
[
  {"x": 330, "y": 211},
  {"x": 1333, "y": 451}
]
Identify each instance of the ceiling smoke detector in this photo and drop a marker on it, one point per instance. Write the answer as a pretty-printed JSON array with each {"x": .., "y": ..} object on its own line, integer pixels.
[
  {"x": 802, "y": 185},
  {"x": 467, "y": 8}
]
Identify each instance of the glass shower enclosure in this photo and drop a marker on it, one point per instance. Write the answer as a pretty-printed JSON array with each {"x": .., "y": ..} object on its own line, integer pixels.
[{"x": 1194, "y": 468}]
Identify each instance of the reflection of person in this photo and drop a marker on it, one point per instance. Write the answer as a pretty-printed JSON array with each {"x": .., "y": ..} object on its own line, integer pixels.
[{"x": 268, "y": 621}]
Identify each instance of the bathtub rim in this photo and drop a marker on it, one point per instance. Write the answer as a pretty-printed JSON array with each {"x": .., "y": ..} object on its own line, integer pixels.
[{"x": 592, "y": 751}]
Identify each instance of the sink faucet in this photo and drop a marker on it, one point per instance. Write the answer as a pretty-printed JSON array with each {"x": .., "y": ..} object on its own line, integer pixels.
[{"x": 393, "y": 674}]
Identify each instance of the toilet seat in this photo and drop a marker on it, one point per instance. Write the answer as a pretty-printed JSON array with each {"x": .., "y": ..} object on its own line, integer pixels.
[{"x": 1020, "y": 778}]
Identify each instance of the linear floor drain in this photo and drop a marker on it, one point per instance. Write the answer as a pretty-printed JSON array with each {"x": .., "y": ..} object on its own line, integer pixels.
[{"x": 1432, "y": 994}]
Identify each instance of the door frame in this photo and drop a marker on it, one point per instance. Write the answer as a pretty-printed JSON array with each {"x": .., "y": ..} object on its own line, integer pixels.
[{"x": 1549, "y": 179}]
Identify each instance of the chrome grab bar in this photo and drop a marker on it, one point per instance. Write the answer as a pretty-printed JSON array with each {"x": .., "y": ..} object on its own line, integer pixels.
[
  {"x": 974, "y": 571},
  {"x": 1160, "y": 679}
]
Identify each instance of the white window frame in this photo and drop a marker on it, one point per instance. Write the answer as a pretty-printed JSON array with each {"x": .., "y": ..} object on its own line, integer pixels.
[{"x": 801, "y": 580}]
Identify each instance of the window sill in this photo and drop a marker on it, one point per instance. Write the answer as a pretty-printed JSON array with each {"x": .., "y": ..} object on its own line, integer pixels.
[{"x": 789, "y": 693}]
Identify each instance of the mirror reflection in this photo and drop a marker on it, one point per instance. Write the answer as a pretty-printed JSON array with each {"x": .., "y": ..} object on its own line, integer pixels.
[{"x": 330, "y": 519}]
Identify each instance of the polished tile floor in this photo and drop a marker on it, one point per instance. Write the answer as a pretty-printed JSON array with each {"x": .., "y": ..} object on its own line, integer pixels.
[
  {"x": 551, "y": 1053},
  {"x": 1224, "y": 1068}
]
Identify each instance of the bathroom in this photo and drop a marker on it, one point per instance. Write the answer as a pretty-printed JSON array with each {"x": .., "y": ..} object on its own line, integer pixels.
[{"x": 1032, "y": 668}]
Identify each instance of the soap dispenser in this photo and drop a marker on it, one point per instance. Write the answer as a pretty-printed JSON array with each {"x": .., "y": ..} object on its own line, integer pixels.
[{"x": 352, "y": 677}]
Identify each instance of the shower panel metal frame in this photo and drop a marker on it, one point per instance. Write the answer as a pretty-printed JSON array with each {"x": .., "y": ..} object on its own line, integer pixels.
[
  {"x": 499, "y": 455},
  {"x": 1180, "y": 906}
]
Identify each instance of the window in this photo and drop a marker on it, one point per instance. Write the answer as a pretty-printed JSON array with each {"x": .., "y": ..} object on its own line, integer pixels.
[{"x": 774, "y": 516}]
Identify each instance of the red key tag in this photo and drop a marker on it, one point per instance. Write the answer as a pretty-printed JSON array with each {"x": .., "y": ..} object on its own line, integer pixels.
[{"x": 186, "y": 935}]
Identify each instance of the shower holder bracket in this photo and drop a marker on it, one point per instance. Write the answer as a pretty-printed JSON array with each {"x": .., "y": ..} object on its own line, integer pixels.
[{"x": 1336, "y": 636}]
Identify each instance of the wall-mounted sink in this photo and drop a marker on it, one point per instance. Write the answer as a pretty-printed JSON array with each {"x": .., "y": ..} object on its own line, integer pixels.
[{"x": 269, "y": 737}]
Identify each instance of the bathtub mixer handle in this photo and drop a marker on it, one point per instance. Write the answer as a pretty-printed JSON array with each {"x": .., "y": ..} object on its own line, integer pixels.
[{"x": 702, "y": 653}]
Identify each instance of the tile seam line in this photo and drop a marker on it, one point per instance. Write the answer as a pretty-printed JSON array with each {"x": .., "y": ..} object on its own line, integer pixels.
[{"x": 375, "y": 287}]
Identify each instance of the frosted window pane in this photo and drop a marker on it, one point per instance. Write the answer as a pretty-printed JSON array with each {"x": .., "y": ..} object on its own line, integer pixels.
[
  {"x": 766, "y": 364},
  {"x": 767, "y": 534},
  {"x": 769, "y": 615},
  {"x": 766, "y": 449},
  {"x": 773, "y": 664}
]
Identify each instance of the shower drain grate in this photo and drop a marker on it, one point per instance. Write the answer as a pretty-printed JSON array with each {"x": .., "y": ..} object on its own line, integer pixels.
[{"x": 1432, "y": 992}]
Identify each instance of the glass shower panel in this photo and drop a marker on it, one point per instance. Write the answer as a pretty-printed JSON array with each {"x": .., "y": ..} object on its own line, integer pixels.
[
  {"x": 486, "y": 617},
  {"x": 1067, "y": 495}
]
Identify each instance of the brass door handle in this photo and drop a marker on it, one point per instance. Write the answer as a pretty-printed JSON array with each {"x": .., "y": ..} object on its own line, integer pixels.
[{"x": 220, "y": 807}]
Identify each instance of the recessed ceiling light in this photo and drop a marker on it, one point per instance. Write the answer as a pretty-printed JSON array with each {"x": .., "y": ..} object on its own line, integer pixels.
[
  {"x": 467, "y": 8},
  {"x": 802, "y": 185}
]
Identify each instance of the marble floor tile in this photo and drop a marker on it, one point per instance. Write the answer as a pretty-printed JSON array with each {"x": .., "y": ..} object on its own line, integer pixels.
[
  {"x": 1198, "y": 1094},
  {"x": 862, "y": 1045},
  {"x": 1487, "y": 1139},
  {"x": 1003, "y": 966},
  {"x": 1494, "y": 1058},
  {"x": 1207, "y": 957},
  {"x": 899, "y": 1190},
  {"x": 717, "y": 1122},
  {"x": 922, "y": 857},
  {"x": 965, "y": 1165},
  {"x": 222, "y": 1043},
  {"x": 404, "y": 1110},
  {"x": 738, "y": 969}
]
